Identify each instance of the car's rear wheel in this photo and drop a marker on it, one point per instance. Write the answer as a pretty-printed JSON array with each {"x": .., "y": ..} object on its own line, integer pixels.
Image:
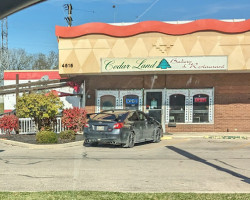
[
  {"x": 94, "y": 144},
  {"x": 88, "y": 144},
  {"x": 130, "y": 143},
  {"x": 157, "y": 136}
]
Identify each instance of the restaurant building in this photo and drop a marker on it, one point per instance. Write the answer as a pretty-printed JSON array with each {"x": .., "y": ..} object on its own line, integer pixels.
[{"x": 191, "y": 76}]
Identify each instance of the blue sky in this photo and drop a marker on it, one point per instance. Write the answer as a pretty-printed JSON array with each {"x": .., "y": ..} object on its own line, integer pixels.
[{"x": 33, "y": 29}]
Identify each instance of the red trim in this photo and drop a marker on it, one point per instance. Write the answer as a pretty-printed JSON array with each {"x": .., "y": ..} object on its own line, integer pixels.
[
  {"x": 153, "y": 26},
  {"x": 32, "y": 75},
  {"x": 6, "y": 111}
]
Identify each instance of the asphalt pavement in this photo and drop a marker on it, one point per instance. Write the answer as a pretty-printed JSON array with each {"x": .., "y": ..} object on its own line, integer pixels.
[
  {"x": 166, "y": 136},
  {"x": 179, "y": 163}
]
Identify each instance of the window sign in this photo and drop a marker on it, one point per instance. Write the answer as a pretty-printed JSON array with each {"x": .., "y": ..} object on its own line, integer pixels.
[
  {"x": 130, "y": 99},
  {"x": 200, "y": 99},
  {"x": 200, "y": 108},
  {"x": 131, "y": 102}
]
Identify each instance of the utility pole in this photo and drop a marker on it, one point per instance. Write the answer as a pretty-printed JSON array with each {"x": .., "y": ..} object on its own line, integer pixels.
[
  {"x": 4, "y": 59},
  {"x": 17, "y": 96},
  {"x": 68, "y": 19}
]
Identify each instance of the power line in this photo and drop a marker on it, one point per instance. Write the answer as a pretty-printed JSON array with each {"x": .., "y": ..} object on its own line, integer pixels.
[
  {"x": 137, "y": 18},
  {"x": 90, "y": 11}
]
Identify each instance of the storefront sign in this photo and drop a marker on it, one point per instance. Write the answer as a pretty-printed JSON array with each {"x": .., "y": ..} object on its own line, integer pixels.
[
  {"x": 200, "y": 100},
  {"x": 131, "y": 101},
  {"x": 191, "y": 63}
]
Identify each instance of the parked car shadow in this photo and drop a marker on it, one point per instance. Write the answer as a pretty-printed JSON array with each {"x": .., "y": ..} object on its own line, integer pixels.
[
  {"x": 112, "y": 146},
  {"x": 201, "y": 160}
]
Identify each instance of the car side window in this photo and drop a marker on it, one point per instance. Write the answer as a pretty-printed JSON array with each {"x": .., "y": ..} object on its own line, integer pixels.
[
  {"x": 133, "y": 117},
  {"x": 142, "y": 117}
]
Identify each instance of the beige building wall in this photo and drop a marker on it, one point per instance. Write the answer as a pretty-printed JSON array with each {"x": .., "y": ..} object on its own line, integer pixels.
[{"x": 83, "y": 55}]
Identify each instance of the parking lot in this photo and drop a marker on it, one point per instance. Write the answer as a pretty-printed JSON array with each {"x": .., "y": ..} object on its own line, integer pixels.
[{"x": 175, "y": 165}]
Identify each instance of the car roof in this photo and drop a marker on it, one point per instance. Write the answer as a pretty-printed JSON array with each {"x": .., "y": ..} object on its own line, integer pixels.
[{"x": 118, "y": 111}]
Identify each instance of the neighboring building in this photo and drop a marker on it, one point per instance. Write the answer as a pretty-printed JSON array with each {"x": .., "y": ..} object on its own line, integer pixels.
[
  {"x": 67, "y": 94},
  {"x": 194, "y": 74}
]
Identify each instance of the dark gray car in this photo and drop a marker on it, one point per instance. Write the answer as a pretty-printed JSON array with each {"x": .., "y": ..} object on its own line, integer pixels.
[{"x": 121, "y": 127}]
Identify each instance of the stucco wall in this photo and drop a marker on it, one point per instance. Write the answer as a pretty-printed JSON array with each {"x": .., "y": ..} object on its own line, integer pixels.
[{"x": 85, "y": 52}]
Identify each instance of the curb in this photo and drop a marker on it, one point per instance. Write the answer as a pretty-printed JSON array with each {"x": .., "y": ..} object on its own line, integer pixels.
[
  {"x": 226, "y": 137},
  {"x": 166, "y": 138},
  {"x": 73, "y": 144}
]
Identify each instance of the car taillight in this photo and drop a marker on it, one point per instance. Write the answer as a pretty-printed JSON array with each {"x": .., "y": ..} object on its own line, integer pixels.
[
  {"x": 118, "y": 126},
  {"x": 86, "y": 125}
]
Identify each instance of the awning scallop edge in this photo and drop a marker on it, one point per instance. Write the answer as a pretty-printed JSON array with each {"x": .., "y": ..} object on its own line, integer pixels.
[{"x": 153, "y": 26}]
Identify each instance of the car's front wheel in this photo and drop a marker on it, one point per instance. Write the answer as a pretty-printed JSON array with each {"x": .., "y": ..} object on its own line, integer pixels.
[
  {"x": 130, "y": 143},
  {"x": 157, "y": 136}
]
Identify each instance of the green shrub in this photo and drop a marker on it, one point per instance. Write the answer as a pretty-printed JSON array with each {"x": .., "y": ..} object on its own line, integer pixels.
[
  {"x": 46, "y": 137},
  {"x": 67, "y": 135},
  {"x": 1, "y": 107}
]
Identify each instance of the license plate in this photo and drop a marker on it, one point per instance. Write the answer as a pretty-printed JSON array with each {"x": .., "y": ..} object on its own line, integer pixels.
[{"x": 100, "y": 128}]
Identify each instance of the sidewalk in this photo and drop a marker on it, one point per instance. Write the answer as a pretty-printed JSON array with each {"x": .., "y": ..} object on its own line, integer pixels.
[{"x": 207, "y": 135}]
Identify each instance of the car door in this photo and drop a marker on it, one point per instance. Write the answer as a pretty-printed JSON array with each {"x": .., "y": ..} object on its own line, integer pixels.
[
  {"x": 136, "y": 126},
  {"x": 150, "y": 127},
  {"x": 146, "y": 126}
]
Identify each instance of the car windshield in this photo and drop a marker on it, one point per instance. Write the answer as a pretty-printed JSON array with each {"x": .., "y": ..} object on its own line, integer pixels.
[{"x": 111, "y": 116}]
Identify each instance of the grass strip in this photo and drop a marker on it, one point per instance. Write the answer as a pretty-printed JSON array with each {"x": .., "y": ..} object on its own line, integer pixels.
[{"x": 90, "y": 195}]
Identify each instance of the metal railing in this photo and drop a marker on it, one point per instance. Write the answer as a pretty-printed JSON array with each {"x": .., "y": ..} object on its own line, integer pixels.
[
  {"x": 58, "y": 126},
  {"x": 27, "y": 126}
]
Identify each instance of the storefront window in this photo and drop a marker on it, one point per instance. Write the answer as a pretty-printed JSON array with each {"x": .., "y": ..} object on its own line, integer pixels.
[
  {"x": 189, "y": 105},
  {"x": 154, "y": 105},
  {"x": 107, "y": 102},
  {"x": 200, "y": 108},
  {"x": 131, "y": 102},
  {"x": 153, "y": 100},
  {"x": 177, "y": 108}
]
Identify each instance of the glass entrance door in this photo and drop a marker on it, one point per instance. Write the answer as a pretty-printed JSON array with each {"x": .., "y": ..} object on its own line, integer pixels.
[{"x": 153, "y": 102}]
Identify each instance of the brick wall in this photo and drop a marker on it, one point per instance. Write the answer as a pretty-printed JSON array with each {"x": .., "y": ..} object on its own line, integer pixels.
[{"x": 231, "y": 96}]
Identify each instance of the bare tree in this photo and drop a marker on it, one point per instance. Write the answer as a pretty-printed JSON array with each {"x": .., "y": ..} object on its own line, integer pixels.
[
  {"x": 43, "y": 62},
  {"x": 40, "y": 62},
  {"x": 19, "y": 59},
  {"x": 52, "y": 60}
]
